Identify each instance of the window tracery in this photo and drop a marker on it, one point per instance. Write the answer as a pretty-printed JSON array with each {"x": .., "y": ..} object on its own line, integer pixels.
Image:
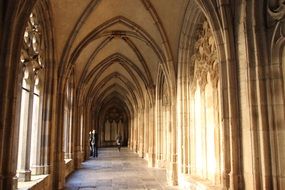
[
  {"x": 204, "y": 58},
  {"x": 204, "y": 105},
  {"x": 114, "y": 124},
  {"x": 31, "y": 60}
]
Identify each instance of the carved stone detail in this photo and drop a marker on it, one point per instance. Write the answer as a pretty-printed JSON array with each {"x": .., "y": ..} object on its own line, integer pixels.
[
  {"x": 165, "y": 98},
  {"x": 115, "y": 114},
  {"x": 31, "y": 53},
  {"x": 204, "y": 58},
  {"x": 276, "y": 9},
  {"x": 276, "y": 21}
]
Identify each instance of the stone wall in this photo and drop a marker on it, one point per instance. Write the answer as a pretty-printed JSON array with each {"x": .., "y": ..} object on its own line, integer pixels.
[{"x": 213, "y": 116}]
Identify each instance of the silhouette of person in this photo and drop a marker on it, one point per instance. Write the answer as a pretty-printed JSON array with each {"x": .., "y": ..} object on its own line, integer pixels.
[
  {"x": 90, "y": 143},
  {"x": 94, "y": 143},
  {"x": 119, "y": 141}
]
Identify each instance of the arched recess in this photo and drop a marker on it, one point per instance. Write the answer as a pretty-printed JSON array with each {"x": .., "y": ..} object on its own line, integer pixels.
[
  {"x": 114, "y": 98},
  {"x": 29, "y": 42},
  {"x": 134, "y": 87},
  {"x": 111, "y": 35},
  {"x": 127, "y": 97},
  {"x": 137, "y": 76},
  {"x": 127, "y": 101},
  {"x": 134, "y": 35},
  {"x": 113, "y": 119},
  {"x": 135, "y": 90},
  {"x": 139, "y": 34},
  {"x": 96, "y": 33},
  {"x": 122, "y": 60},
  {"x": 165, "y": 132},
  {"x": 206, "y": 100},
  {"x": 163, "y": 127},
  {"x": 275, "y": 92},
  {"x": 68, "y": 118}
]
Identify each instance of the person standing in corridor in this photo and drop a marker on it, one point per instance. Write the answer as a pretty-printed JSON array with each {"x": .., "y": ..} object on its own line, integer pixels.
[
  {"x": 90, "y": 143},
  {"x": 119, "y": 141},
  {"x": 94, "y": 143}
]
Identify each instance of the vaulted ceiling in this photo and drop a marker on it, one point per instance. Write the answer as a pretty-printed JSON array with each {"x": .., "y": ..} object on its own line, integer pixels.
[{"x": 115, "y": 48}]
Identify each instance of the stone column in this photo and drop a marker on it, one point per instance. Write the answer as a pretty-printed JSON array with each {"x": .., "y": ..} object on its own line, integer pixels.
[
  {"x": 173, "y": 168},
  {"x": 66, "y": 121},
  {"x": 37, "y": 128},
  {"x": 86, "y": 134},
  {"x": 217, "y": 132},
  {"x": 24, "y": 165},
  {"x": 136, "y": 132},
  {"x": 158, "y": 130},
  {"x": 146, "y": 132},
  {"x": 182, "y": 121},
  {"x": 141, "y": 132},
  {"x": 131, "y": 133},
  {"x": 192, "y": 141},
  {"x": 77, "y": 136},
  {"x": 58, "y": 165},
  {"x": 47, "y": 122},
  {"x": 203, "y": 133},
  {"x": 184, "y": 128},
  {"x": 72, "y": 128},
  {"x": 152, "y": 133}
]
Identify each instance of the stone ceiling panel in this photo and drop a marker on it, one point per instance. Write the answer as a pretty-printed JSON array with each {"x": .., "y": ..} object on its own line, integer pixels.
[
  {"x": 82, "y": 60},
  {"x": 139, "y": 31},
  {"x": 113, "y": 47},
  {"x": 65, "y": 16},
  {"x": 133, "y": 10},
  {"x": 171, "y": 13}
]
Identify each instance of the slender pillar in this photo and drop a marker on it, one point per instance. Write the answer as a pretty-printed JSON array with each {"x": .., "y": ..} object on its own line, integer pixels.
[
  {"x": 146, "y": 132},
  {"x": 152, "y": 154},
  {"x": 203, "y": 134},
  {"x": 24, "y": 165},
  {"x": 158, "y": 134},
  {"x": 36, "y": 145},
  {"x": 141, "y": 132}
]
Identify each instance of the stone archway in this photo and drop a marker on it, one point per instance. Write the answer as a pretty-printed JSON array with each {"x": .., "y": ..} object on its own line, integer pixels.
[
  {"x": 114, "y": 121},
  {"x": 205, "y": 89}
]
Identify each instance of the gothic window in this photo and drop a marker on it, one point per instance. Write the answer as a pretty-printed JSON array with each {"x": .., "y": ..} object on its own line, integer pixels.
[
  {"x": 31, "y": 96},
  {"x": 114, "y": 124},
  {"x": 205, "y": 103}
]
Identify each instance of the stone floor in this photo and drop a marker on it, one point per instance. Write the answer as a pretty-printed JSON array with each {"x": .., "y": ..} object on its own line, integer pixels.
[{"x": 114, "y": 170}]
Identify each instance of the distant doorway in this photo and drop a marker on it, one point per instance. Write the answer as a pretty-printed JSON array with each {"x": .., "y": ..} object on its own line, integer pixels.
[{"x": 115, "y": 123}]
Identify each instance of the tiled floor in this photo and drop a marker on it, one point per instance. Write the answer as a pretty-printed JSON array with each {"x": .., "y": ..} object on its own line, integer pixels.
[{"x": 114, "y": 170}]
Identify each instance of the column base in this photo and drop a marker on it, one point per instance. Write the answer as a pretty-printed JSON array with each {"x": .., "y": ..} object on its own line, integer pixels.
[
  {"x": 8, "y": 182},
  {"x": 15, "y": 183},
  {"x": 37, "y": 169},
  {"x": 68, "y": 155},
  {"x": 151, "y": 160},
  {"x": 146, "y": 155},
  {"x": 236, "y": 181},
  {"x": 183, "y": 169},
  {"x": 25, "y": 175},
  {"x": 40, "y": 169},
  {"x": 172, "y": 175},
  {"x": 195, "y": 182},
  {"x": 141, "y": 154},
  {"x": 79, "y": 157}
]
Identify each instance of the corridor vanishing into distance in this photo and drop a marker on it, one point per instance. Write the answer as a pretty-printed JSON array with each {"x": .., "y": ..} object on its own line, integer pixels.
[
  {"x": 114, "y": 170},
  {"x": 194, "y": 90}
]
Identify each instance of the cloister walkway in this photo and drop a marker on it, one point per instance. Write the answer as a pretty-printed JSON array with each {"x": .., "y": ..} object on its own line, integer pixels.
[{"x": 114, "y": 170}]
